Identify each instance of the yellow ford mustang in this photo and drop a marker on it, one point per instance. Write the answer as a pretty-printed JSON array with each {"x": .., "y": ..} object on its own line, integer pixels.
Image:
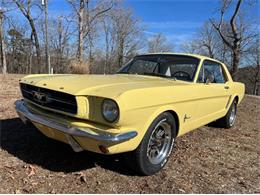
[{"x": 139, "y": 110}]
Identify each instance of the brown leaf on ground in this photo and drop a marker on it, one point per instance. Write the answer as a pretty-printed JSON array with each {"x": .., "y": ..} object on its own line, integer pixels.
[{"x": 32, "y": 170}]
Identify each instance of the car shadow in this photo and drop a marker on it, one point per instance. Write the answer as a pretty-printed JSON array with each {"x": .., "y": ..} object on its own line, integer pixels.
[{"x": 31, "y": 146}]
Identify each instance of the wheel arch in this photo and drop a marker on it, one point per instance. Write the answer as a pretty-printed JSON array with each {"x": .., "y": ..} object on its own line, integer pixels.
[
  {"x": 176, "y": 118},
  {"x": 161, "y": 111},
  {"x": 236, "y": 98},
  {"x": 232, "y": 99},
  {"x": 154, "y": 115}
]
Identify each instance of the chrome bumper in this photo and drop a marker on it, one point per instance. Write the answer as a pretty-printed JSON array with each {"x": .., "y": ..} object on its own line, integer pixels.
[{"x": 25, "y": 114}]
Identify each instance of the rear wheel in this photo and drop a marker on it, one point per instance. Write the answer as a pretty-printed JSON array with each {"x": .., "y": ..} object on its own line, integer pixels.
[
  {"x": 229, "y": 119},
  {"x": 156, "y": 146}
]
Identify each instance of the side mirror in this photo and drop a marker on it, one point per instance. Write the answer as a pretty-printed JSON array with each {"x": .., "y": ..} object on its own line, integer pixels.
[{"x": 210, "y": 78}]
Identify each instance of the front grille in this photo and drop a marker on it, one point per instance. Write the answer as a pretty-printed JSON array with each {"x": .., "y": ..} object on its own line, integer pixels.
[{"x": 49, "y": 98}]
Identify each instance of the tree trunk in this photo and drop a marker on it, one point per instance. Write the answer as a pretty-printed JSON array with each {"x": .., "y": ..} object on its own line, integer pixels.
[
  {"x": 80, "y": 33},
  {"x": 235, "y": 43},
  {"x": 47, "y": 53},
  {"x": 210, "y": 50},
  {"x": 254, "y": 90},
  {"x": 107, "y": 50},
  {"x": 36, "y": 43},
  {"x": 90, "y": 59},
  {"x": 28, "y": 16},
  {"x": 121, "y": 53},
  {"x": 3, "y": 57},
  {"x": 256, "y": 78},
  {"x": 235, "y": 63}
]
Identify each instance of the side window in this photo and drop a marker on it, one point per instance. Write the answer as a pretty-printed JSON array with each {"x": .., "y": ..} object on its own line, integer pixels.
[{"x": 211, "y": 68}]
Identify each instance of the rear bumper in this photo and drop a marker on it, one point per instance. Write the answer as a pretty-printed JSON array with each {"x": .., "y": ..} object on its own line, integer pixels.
[{"x": 26, "y": 115}]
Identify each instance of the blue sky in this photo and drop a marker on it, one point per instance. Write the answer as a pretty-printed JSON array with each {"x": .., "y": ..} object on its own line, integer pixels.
[{"x": 178, "y": 20}]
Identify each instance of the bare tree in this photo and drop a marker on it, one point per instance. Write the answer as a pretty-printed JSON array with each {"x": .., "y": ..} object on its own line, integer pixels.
[
  {"x": 89, "y": 42},
  {"x": 191, "y": 46},
  {"x": 110, "y": 42},
  {"x": 208, "y": 39},
  {"x": 106, "y": 27},
  {"x": 253, "y": 59},
  {"x": 60, "y": 35},
  {"x": 47, "y": 51},
  {"x": 126, "y": 31},
  {"x": 86, "y": 17},
  {"x": 79, "y": 10},
  {"x": 207, "y": 42},
  {"x": 25, "y": 7},
  {"x": 232, "y": 32},
  {"x": 158, "y": 43},
  {"x": 4, "y": 8},
  {"x": 2, "y": 49},
  {"x": 20, "y": 47}
]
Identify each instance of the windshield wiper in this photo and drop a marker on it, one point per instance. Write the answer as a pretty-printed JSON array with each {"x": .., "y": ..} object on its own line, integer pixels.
[
  {"x": 122, "y": 73},
  {"x": 150, "y": 74},
  {"x": 158, "y": 75}
]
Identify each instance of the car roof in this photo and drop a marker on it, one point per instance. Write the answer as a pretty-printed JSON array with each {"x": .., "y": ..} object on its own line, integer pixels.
[{"x": 183, "y": 54}]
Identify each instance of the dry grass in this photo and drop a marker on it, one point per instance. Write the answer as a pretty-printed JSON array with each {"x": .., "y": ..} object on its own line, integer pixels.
[
  {"x": 79, "y": 67},
  {"x": 207, "y": 160}
]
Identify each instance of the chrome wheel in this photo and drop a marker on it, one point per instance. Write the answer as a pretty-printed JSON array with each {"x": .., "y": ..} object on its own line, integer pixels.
[
  {"x": 232, "y": 116},
  {"x": 159, "y": 144}
]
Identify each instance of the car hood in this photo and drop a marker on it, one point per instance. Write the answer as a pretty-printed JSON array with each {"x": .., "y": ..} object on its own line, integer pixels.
[{"x": 98, "y": 85}]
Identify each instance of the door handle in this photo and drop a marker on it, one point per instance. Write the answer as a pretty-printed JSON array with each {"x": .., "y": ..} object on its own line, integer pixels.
[{"x": 226, "y": 87}]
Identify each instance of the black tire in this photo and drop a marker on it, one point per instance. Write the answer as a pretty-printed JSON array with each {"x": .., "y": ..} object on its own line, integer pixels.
[
  {"x": 226, "y": 121},
  {"x": 139, "y": 161}
]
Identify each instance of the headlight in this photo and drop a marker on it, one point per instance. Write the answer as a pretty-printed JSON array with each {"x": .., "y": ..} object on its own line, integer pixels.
[{"x": 110, "y": 110}]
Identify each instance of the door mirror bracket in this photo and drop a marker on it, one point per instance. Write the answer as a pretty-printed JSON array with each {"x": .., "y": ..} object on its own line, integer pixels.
[{"x": 210, "y": 78}]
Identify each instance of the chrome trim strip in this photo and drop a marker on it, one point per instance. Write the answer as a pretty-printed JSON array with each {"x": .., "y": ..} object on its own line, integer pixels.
[
  {"x": 56, "y": 100},
  {"x": 24, "y": 112},
  {"x": 229, "y": 98},
  {"x": 26, "y": 91}
]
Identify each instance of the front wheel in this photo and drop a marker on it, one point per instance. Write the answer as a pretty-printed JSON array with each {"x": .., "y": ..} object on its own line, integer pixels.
[{"x": 156, "y": 146}]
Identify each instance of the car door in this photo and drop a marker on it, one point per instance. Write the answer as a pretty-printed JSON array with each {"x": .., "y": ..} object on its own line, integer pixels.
[{"x": 215, "y": 94}]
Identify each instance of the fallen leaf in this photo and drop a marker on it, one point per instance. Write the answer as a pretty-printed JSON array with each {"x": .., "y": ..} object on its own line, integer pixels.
[
  {"x": 181, "y": 190},
  {"x": 8, "y": 166},
  {"x": 17, "y": 191},
  {"x": 83, "y": 178},
  {"x": 34, "y": 183},
  {"x": 32, "y": 170},
  {"x": 12, "y": 177}
]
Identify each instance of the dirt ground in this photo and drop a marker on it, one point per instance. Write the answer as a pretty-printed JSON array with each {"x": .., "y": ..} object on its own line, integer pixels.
[{"x": 207, "y": 160}]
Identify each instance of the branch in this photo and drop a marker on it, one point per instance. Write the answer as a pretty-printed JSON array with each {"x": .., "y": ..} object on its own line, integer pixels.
[
  {"x": 232, "y": 21},
  {"x": 20, "y": 6},
  {"x": 218, "y": 29},
  {"x": 73, "y": 6},
  {"x": 101, "y": 12},
  {"x": 93, "y": 18}
]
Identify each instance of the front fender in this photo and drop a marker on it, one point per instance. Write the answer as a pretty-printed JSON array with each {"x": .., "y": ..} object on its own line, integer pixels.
[{"x": 141, "y": 119}]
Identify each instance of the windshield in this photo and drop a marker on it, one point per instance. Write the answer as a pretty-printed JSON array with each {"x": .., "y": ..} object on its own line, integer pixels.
[{"x": 171, "y": 66}]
